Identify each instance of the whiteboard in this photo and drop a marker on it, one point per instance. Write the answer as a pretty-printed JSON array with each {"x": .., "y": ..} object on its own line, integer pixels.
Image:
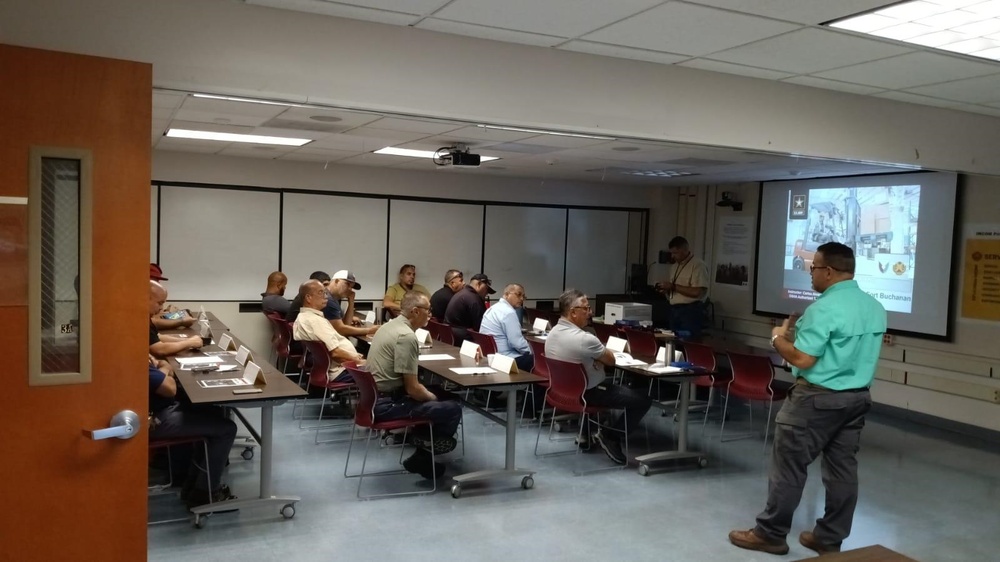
[
  {"x": 526, "y": 245},
  {"x": 435, "y": 237},
  {"x": 217, "y": 244},
  {"x": 329, "y": 233},
  {"x": 597, "y": 251},
  {"x": 153, "y": 222}
]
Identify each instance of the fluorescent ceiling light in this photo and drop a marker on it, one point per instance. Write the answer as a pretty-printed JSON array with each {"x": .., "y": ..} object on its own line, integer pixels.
[
  {"x": 960, "y": 26},
  {"x": 247, "y": 100},
  {"x": 543, "y": 132},
  {"x": 394, "y": 151},
  {"x": 234, "y": 137}
]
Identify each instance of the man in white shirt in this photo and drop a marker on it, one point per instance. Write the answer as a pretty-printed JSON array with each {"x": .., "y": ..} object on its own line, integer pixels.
[
  {"x": 686, "y": 288},
  {"x": 568, "y": 341},
  {"x": 501, "y": 322},
  {"x": 311, "y": 325}
]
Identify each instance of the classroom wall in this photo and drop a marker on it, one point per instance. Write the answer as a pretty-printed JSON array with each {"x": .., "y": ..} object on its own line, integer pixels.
[
  {"x": 464, "y": 185},
  {"x": 957, "y": 380},
  {"x": 225, "y": 46}
]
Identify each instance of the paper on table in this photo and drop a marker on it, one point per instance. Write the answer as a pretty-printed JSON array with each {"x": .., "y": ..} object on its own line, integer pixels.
[
  {"x": 216, "y": 383},
  {"x": 224, "y": 368},
  {"x": 472, "y": 370},
  {"x": 627, "y": 360},
  {"x": 661, "y": 368},
  {"x": 436, "y": 357},
  {"x": 188, "y": 361}
]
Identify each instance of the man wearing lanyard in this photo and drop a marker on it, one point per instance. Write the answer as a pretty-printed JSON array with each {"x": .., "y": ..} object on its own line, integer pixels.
[
  {"x": 834, "y": 353},
  {"x": 687, "y": 289}
]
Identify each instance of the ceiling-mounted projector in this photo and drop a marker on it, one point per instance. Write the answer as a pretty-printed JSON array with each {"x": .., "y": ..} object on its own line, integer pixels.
[{"x": 455, "y": 156}]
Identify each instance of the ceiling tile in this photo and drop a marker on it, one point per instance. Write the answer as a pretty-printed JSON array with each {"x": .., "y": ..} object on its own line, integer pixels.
[
  {"x": 248, "y": 109},
  {"x": 379, "y": 160},
  {"x": 345, "y": 118},
  {"x": 162, "y": 112},
  {"x": 729, "y": 68},
  {"x": 688, "y": 29},
  {"x": 801, "y": 11},
  {"x": 563, "y": 18},
  {"x": 325, "y": 8},
  {"x": 810, "y": 50},
  {"x": 190, "y": 145},
  {"x": 560, "y": 141},
  {"x": 313, "y": 155},
  {"x": 622, "y": 52},
  {"x": 255, "y": 151},
  {"x": 388, "y": 138},
  {"x": 414, "y": 125},
  {"x": 982, "y": 90},
  {"x": 494, "y": 135},
  {"x": 909, "y": 70},
  {"x": 982, "y": 109},
  {"x": 167, "y": 100},
  {"x": 420, "y": 7},
  {"x": 832, "y": 85},
  {"x": 493, "y": 33},
  {"x": 913, "y": 98}
]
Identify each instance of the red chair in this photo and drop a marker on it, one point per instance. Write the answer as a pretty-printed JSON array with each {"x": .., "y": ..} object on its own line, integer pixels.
[
  {"x": 605, "y": 331},
  {"x": 642, "y": 342},
  {"x": 441, "y": 332},
  {"x": 567, "y": 384},
  {"x": 272, "y": 317},
  {"x": 158, "y": 489},
  {"x": 318, "y": 378},
  {"x": 282, "y": 339},
  {"x": 484, "y": 341},
  {"x": 703, "y": 356},
  {"x": 753, "y": 379},
  {"x": 364, "y": 416},
  {"x": 531, "y": 314}
]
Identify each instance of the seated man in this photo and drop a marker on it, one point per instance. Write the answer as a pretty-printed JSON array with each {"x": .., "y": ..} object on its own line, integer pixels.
[
  {"x": 501, "y": 322},
  {"x": 273, "y": 298},
  {"x": 467, "y": 307},
  {"x": 342, "y": 286},
  {"x": 392, "y": 361},
  {"x": 311, "y": 326},
  {"x": 568, "y": 341},
  {"x": 407, "y": 282},
  {"x": 168, "y": 317},
  {"x": 453, "y": 283},
  {"x": 161, "y": 345},
  {"x": 168, "y": 420},
  {"x": 293, "y": 308}
]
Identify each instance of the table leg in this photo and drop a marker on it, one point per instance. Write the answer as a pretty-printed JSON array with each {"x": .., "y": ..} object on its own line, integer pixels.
[{"x": 682, "y": 451}]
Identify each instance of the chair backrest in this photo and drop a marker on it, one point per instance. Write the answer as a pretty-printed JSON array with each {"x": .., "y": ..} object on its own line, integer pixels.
[
  {"x": 271, "y": 317},
  {"x": 604, "y": 331},
  {"x": 530, "y": 314},
  {"x": 441, "y": 332},
  {"x": 700, "y": 355},
  {"x": 752, "y": 376},
  {"x": 641, "y": 342},
  {"x": 567, "y": 383},
  {"x": 541, "y": 367},
  {"x": 364, "y": 410},
  {"x": 484, "y": 341},
  {"x": 320, "y": 363}
]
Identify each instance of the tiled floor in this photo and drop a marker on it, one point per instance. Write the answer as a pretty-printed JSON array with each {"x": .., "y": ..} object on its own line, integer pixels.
[{"x": 928, "y": 494}]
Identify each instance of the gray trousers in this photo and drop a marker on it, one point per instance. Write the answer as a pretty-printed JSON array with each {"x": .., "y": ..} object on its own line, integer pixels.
[{"x": 815, "y": 420}]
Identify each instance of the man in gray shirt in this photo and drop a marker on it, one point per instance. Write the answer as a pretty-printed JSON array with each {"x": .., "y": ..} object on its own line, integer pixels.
[
  {"x": 569, "y": 342},
  {"x": 273, "y": 298},
  {"x": 393, "y": 362}
]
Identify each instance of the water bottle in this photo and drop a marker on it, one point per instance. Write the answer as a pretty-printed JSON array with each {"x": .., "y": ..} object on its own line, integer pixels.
[{"x": 668, "y": 353}]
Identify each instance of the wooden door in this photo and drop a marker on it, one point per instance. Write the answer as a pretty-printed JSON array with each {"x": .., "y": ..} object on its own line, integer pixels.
[{"x": 68, "y": 497}]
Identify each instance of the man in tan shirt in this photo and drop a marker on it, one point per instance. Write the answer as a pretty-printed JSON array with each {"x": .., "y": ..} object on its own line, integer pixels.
[
  {"x": 311, "y": 325},
  {"x": 687, "y": 288}
]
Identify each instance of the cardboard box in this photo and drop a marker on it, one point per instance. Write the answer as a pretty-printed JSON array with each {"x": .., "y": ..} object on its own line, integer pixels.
[{"x": 614, "y": 311}]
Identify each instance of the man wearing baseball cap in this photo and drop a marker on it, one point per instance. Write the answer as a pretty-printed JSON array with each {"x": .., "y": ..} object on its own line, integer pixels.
[
  {"x": 170, "y": 317},
  {"x": 342, "y": 286},
  {"x": 467, "y": 307}
]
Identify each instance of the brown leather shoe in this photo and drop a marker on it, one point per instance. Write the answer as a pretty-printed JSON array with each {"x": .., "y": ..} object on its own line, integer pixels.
[
  {"x": 808, "y": 540},
  {"x": 750, "y": 541}
]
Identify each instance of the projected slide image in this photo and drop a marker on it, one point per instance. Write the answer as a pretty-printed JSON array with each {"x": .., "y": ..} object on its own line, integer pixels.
[{"x": 879, "y": 223}]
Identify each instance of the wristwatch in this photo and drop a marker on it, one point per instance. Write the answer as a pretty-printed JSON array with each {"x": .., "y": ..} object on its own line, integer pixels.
[{"x": 774, "y": 337}]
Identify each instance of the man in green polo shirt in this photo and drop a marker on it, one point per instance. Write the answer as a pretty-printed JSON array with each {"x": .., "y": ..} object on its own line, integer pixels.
[{"x": 834, "y": 355}]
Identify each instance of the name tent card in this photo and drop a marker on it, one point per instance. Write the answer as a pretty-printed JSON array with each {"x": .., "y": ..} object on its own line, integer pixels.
[
  {"x": 471, "y": 349},
  {"x": 541, "y": 325},
  {"x": 618, "y": 345},
  {"x": 504, "y": 364},
  {"x": 423, "y": 337},
  {"x": 226, "y": 343},
  {"x": 370, "y": 317},
  {"x": 243, "y": 355},
  {"x": 252, "y": 374}
]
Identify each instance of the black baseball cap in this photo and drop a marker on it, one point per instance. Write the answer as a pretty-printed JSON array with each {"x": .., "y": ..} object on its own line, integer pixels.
[{"x": 481, "y": 277}]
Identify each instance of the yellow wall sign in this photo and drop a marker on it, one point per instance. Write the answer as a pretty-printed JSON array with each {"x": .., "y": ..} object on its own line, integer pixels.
[{"x": 981, "y": 289}]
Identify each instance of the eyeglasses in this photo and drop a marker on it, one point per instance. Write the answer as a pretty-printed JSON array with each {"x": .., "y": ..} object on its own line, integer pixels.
[
  {"x": 813, "y": 268},
  {"x": 427, "y": 308},
  {"x": 453, "y": 277},
  {"x": 587, "y": 308}
]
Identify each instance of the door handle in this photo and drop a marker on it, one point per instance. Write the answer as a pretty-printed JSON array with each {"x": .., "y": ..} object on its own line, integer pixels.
[{"x": 124, "y": 425}]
